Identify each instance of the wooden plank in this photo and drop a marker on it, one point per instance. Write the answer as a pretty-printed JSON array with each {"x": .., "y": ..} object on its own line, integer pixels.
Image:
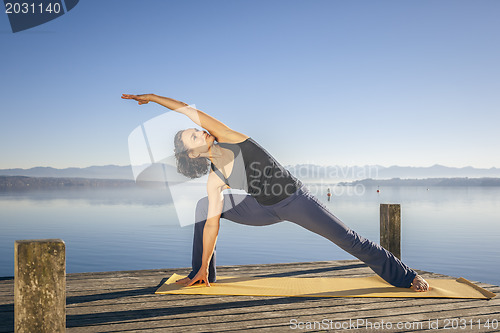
[{"x": 125, "y": 301}]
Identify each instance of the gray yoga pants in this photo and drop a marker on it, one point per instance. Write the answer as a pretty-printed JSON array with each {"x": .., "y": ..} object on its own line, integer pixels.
[{"x": 307, "y": 211}]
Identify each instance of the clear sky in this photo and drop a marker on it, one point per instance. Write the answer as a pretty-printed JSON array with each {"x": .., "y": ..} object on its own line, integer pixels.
[{"x": 411, "y": 83}]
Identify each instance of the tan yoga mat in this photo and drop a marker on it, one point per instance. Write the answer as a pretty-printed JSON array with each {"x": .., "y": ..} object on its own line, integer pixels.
[{"x": 372, "y": 286}]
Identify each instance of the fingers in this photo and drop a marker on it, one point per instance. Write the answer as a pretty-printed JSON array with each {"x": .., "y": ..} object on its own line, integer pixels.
[
  {"x": 421, "y": 287},
  {"x": 193, "y": 281},
  {"x": 200, "y": 279},
  {"x": 124, "y": 96},
  {"x": 135, "y": 97}
]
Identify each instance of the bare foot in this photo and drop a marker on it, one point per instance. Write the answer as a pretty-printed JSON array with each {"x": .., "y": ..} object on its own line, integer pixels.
[
  {"x": 183, "y": 280},
  {"x": 419, "y": 284}
]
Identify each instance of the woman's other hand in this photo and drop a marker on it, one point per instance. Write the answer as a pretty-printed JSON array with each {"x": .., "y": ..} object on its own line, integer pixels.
[
  {"x": 142, "y": 99},
  {"x": 201, "y": 276}
]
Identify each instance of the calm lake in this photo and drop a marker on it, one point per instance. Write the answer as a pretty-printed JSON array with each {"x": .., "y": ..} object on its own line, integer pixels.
[{"x": 448, "y": 230}]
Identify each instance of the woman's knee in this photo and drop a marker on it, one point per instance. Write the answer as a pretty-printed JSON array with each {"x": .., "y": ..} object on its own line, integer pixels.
[{"x": 201, "y": 209}]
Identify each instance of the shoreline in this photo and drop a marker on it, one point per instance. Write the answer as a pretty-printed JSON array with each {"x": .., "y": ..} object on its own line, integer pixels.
[{"x": 25, "y": 183}]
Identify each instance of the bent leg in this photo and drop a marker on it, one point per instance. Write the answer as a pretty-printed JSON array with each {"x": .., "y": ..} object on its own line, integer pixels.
[
  {"x": 197, "y": 253},
  {"x": 239, "y": 208},
  {"x": 308, "y": 212}
]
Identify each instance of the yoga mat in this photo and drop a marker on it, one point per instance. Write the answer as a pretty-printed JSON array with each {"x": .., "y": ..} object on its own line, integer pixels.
[{"x": 372, "y": 286}]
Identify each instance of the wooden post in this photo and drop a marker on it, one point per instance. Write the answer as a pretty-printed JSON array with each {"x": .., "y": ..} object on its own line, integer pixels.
[
  {"x": 390, "y": 228},
  {"x": 40, "y": 286}
]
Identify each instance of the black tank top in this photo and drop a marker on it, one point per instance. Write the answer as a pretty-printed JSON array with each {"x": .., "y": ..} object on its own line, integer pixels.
[{"x": 258, "y": 173}]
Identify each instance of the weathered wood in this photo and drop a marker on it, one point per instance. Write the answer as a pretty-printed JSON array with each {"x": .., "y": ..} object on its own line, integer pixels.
[
  {"x": 125, "y": 301},
  {"x": 390, "y": 228},
  {"x": 40, "y": 286}
]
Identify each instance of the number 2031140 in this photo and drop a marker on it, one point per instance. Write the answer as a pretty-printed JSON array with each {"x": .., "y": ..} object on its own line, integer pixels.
[
  {"x": 455, "y": 324},
  {"x": 31, "y": 8}
]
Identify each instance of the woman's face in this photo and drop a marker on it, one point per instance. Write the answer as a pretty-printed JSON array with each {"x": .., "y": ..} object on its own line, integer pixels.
[{"x": 196, "y": 141}]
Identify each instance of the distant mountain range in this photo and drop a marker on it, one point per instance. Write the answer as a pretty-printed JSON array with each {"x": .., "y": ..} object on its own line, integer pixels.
[
  {"x": 305, "y": 172},
  {"x": 458, "y": 181},
  {"x": 313, "y": 172},
  {"x": 94, "y": 172}
]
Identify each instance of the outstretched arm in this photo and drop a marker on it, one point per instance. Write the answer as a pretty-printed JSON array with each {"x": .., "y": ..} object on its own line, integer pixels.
[{"x": 218, "y": 129}]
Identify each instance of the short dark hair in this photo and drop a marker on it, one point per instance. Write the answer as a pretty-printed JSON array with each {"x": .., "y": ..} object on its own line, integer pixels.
[{"x": 189, "y": 167}]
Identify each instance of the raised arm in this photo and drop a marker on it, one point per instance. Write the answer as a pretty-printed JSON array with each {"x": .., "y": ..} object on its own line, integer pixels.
[
  {"x": 218, "y": 129},
  {"x": 215, "y": 186}
]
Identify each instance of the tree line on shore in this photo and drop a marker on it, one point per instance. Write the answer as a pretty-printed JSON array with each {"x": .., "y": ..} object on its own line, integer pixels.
[
  {"x": 28, "y": 183},
  {"x": 36, "y": 183},
  {"x": 426, "y": 182}
]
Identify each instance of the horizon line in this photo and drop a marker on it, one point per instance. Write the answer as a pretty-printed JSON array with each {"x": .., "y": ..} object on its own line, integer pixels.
[{"x": 287, "y": 165}]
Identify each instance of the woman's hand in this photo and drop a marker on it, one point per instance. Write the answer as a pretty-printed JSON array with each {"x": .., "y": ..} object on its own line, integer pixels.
[
  {"x": 201, "y": 276},
  {"x": 183, "y": 281},
  {"x": 142, "y": 99}
]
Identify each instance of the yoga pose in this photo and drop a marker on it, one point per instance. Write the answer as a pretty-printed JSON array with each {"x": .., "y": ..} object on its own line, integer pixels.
[{"x": 234, "y": 160}]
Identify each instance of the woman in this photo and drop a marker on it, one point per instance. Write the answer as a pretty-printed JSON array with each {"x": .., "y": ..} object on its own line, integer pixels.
[{"x": 274, "y": 195}]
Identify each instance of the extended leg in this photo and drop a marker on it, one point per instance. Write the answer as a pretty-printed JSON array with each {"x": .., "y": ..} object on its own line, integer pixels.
[{"x": 308, "y": 212}]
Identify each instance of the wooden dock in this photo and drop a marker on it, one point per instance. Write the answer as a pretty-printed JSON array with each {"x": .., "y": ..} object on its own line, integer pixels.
[{"x": 125, "y": 302}]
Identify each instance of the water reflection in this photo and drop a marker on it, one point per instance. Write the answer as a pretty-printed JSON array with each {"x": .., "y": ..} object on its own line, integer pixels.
[{"x": 452, "y": 231}]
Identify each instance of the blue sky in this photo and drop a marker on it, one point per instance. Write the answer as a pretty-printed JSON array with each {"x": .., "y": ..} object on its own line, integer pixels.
[{"x": 411, "y": 83}]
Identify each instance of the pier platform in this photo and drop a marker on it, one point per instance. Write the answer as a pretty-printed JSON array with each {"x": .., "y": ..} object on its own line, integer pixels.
[{"x": 125, "y": 301}]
